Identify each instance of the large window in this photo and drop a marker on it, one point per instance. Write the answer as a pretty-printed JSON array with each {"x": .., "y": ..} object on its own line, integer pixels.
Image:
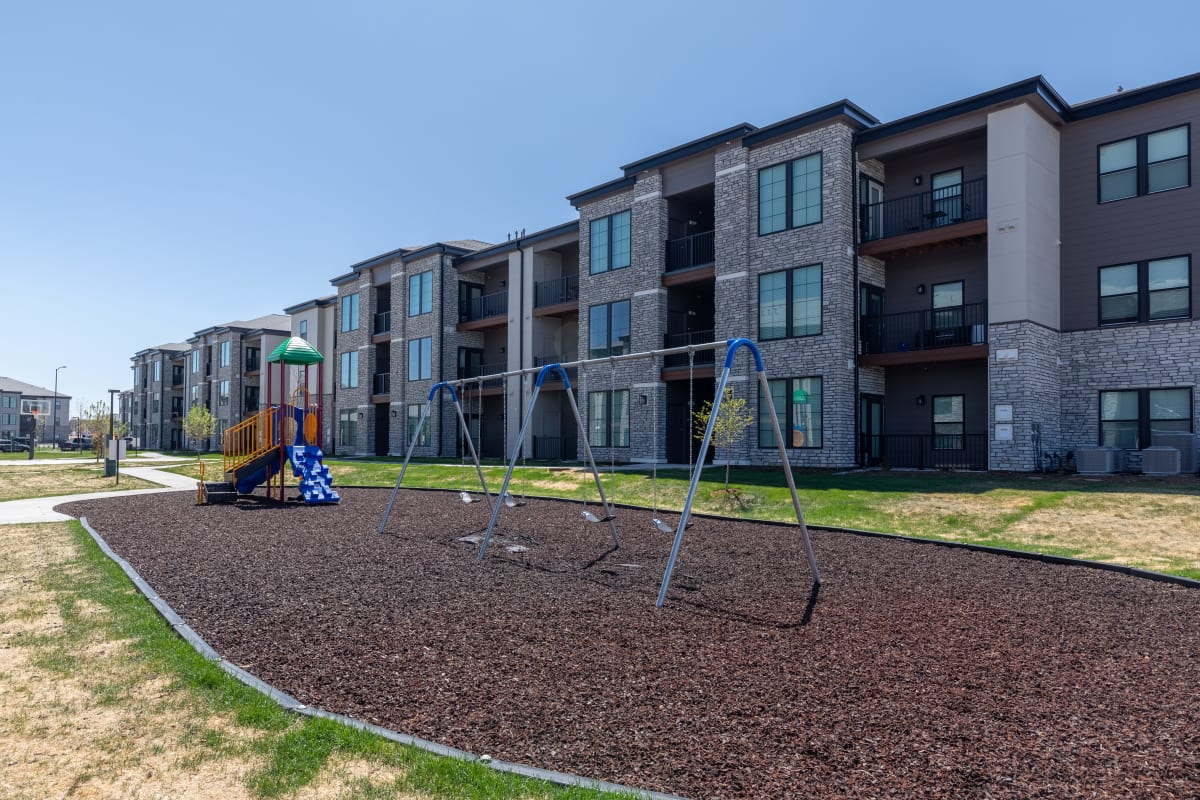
[
  {"x": 223, "y": 393},
  {"x": 1152, "y": 162},
  {"x": 348, "y": 429},
  {"x": 789, "y": 195},
  {"x": 224, "y": 354},
  {"x": 414, "y": 416},
  {"x": 195, "y": 362},
  {"x": 610, "y": 243},
  {"x": 948, "y": 421},
  {"x": 1128, "y": 418},
  {"x": 789, "y": 303},
  {"x": 1146, "y": 291},
  {"x": 157, "y": 371},
  {"x": 608, "y": 418},
  {"x": 350, "y": 312},
  {"x": 420, "y": 358},
  {"x": 304, "y": 329},
  {"x": 608, "y": 329},
  {"x": 349, "y": 369},
  {"x": 420, "y": 293},
  {"x": 798, "y": 407}
]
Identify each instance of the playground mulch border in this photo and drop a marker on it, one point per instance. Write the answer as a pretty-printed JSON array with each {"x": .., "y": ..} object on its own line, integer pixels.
[{"x": 915, "y": 671}]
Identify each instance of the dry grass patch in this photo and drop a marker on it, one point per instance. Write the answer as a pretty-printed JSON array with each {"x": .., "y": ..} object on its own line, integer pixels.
[{"x": 56, "y": 480}]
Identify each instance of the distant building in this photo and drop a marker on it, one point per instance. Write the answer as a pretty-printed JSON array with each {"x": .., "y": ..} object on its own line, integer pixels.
[{"x": 19, "y": 399}]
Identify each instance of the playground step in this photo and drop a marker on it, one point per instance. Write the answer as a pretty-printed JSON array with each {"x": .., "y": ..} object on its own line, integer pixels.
[{"x": 220, "y": 492}]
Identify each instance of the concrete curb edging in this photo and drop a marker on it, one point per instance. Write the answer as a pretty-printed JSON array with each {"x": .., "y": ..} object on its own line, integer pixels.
[{"x": 292, "y": 704}]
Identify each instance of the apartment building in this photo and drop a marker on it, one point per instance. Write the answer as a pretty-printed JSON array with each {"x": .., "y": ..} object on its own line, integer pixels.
[
  {"x": 26, "y": 408},
  {"x": 156, "y": 403}
]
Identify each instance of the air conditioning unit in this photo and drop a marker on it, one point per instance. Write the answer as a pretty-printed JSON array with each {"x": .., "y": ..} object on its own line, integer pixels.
[
  {"x": 1100, "y": 460},
  {"x": 1188, "y": 445},
  {"x": 1160, "y": 461}
]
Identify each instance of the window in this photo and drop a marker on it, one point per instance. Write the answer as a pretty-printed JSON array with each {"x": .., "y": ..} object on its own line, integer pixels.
[
  {"x": 608, "y": 329},
  {"x": 223, "y": 393},
  {"x": 10, "y": 401},
  {"x": 420, "y": 358},
  {"x": 789, "y": 195},
  {"x": 195, "y": 363},
  {"x": 348, "y": 429},
  {"x": 610, "y": 243},
  {"x": 350, "y": 312},
  {"x": 470, "y": 362},
  {"x": 420, "y": 293},
  {"x": 349, "y": 369},
  {"x": 608, "y": 418},
  {"x": 948, "y": 422},
  {"x": 1146, "y": 291},
  {"x": 946, "y": 196},
  {"x": 195, "y": 396},
  {"x": 157, "y": 371},
  {"x": 798, "y": 406},
  {"x": 1152, "y": 162},
  {"x": 789, "y": 303},
  {"x": 250, "y": 399},
  {"x": 137, "y": 376},
  {"x": 304, "y": 329},
  {"x": 947, "y": 312},
  {"x": 224, "y": 354},
  {"x": 156, "y": 406},
  {"x": 414, "y": 416},
  {"x": 252, "y": 355},
  {"x": 1129, "y": 418}
]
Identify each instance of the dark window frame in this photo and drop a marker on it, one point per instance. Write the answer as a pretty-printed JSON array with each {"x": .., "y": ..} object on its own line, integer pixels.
[
  {"x": 1144, "y": 420},
  {"x": 937, "y": 437},
  {"x": 786, "y": 426},
  {"x": 608, "y": 266},
  {"x": 349, "y": 312},
  {"x": 1143, "y": 293},
  {"x": 420, "y": 278},
  {"x": 348, "y": 369},
  {"x": 412, "y": 415},
  {"x": 789, "y": 322},
  {"x": 419, "y": 362},
  {"x": 464, "y": 361},
  {"x": 609, "y": 404},
  {"x": 789, "y": 194},
  {"x": 1142, "y": 164},
  {"x": 611, "y": 348}
]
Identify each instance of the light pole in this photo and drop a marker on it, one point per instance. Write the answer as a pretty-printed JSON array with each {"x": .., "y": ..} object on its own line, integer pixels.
[
  {"x": 54, "y": 410},
  {"x": 113, "y": 439}
]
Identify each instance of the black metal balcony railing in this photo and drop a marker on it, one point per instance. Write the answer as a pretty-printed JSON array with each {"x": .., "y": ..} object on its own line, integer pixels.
[
  {"x": 572, "y": 372},
  {"x": 555, "y": 291},
  {"x": 705, "y": 357},
  {"x": 924, "y": 330},
  {"x": 383, "y": 322},
  {"x": 488, "y": 305},
  {"x": 925, "y": 451},
  {"x": 492, "y": 368},
  {"x": 554, "y": 448},
  {"x": 382, "y": 383},
  {"x": 925, "y": 211},
  {"x": 691, "y": 251}
]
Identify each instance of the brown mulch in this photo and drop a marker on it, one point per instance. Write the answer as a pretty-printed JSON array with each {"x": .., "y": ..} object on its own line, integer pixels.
[{"x": 917, "y": 671}]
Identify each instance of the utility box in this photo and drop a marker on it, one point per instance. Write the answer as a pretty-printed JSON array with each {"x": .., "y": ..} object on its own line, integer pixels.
[
  {"x": 1100, "y": 460},
  {"x": 1160, "y": 461}
]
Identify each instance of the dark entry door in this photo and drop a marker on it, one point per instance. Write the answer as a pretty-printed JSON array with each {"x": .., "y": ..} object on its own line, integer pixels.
[
  {"x": 870, "y": 429},
  {"x": 381, "y": 429},
  {"x": 870, "y": 304}
]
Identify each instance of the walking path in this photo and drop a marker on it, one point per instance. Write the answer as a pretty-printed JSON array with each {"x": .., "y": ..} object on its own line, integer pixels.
[{"x": 41, "y": 509}]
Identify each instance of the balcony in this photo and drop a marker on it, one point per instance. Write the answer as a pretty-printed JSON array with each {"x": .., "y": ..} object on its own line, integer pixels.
[
  {"x": 572, "y": 372},
  {"x": 925, "y": 451},
  {"x": 700, "y": 357},
  {"x": 554, "y": 448},
  {"x": 696, "y": 250},
  {"x": 383, "y": 322},
  {"x": 943, "y": 334},
  {"x": 562, "y": 291},
  {"x": 381, "y": 383},
  {"x": 925, "y": 218},
  {"x": 253, "y": 364},
  {"x": 485, "y": 311}
]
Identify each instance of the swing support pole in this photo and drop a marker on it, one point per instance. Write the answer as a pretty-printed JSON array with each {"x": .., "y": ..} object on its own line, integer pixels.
[
  {"x": 437, "y": 387},
  {"x": 733, "y": 346},
  {"x": 512, "y": 462}
]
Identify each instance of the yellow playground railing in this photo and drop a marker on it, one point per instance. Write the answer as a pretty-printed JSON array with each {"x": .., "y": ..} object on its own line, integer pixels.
[{"x": 249, "y": 439}]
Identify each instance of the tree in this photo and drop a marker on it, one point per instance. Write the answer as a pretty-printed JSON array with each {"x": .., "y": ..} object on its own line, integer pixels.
[
  {"x": 94, "y": 421},
  {"x": 733, "y": 419},
  {"x": 198, "y": 424}
]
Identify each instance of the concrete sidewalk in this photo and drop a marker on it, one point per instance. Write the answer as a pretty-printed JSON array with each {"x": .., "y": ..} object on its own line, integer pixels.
[{"x": 41, "y": 509}]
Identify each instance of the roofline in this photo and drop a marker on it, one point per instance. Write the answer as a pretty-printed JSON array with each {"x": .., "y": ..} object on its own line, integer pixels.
[
  {"x": 587, "y": 195},
  {"x": 688, "y": 149},
  {"x": 1036, "y": 85},
  {"x": 842, "y": 108},
  {"x": 269, "y": 331},
  {"x": 520, "y": 241},
  {"x": 374, "y": 260},
  {"x": 342, "y": 279},
  {"x": 327, "y": 300},
  {"x": 436, "y": 247},
  {"x": 1136, "y": 97}
]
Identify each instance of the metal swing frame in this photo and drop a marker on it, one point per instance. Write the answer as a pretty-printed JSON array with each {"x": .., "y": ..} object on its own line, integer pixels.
[
  {"x": 516, "y": 453},
  {"x": 463, "y": 428}
]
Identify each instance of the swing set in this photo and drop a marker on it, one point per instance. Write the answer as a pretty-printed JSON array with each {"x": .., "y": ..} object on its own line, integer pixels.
[{"x": 607, "y": 516}]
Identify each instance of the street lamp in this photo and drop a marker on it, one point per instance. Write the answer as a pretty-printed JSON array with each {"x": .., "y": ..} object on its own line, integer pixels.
[
  {"x": 54, "y": 411},
  {"x": 112, "y": 438}
]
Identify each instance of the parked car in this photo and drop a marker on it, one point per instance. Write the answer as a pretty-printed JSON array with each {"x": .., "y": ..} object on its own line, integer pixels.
[
  {"x": 13, "y": 446},
  {"x": 76, "y": 443}
]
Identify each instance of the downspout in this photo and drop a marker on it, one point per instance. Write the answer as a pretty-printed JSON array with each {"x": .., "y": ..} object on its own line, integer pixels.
[
  {"x": 854, "y": 236},
  {"x": 441, "y": 336},
  {"x": 520, "y": 337}
]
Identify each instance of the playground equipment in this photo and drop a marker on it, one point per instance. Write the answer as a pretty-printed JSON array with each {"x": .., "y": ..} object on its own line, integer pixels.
[
  {"x": 434, "y": 391},
  {"x": 257, "y": 450},
  {"x": 732, "y": 347}
]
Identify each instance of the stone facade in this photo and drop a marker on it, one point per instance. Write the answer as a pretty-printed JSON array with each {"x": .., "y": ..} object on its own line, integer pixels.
[{"x": 1024, "y": 371}]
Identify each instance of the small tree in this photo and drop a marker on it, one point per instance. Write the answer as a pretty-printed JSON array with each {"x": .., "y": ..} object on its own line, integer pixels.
[
  {"x": 198, "y": 424},
  {"x": 733, "y": 419},
  {"x": 94, "y": 421}
]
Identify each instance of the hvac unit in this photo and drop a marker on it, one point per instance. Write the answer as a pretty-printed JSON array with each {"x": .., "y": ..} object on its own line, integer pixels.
[
  {"x": 1188, "y": 445},
  {"x": 1160, "y": 461},
  {"x": 1099, "y": 460}
]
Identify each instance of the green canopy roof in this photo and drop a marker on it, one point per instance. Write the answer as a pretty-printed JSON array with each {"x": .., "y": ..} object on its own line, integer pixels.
[{"x": 295, "y": 350}]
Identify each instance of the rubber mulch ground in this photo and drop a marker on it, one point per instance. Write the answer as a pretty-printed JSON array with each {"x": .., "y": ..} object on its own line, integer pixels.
[{"x": 919, "y": 671}]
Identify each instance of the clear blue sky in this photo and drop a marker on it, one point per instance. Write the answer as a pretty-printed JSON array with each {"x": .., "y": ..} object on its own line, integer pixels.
[{"x": 169, "y": 166}]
